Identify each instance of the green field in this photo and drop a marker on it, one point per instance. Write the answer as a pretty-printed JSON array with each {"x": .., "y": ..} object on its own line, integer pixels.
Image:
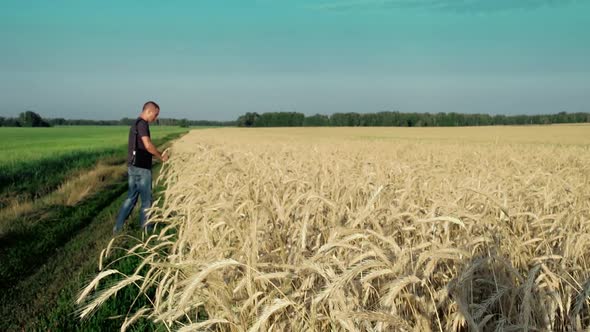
[
  {"x": 36, "y": 160},
  {"x": 28, "y": 144},
  {"x": 60, "y": 189}
]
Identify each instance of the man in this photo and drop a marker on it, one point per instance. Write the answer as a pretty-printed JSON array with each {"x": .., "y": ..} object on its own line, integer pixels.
[{"x": 139, "y": 162}]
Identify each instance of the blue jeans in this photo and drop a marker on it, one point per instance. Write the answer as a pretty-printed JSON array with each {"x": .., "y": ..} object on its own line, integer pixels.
[{"x": 140, "y": 185}]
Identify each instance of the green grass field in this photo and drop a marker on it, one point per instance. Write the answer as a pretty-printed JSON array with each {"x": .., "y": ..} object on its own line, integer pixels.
[
  {"x": 37, "y": 160},
  {"x": 29, "y": 144}
]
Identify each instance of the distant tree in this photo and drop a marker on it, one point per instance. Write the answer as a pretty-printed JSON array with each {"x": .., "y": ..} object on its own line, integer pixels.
[
  {"x": 500, "y": 120},
  {"x": 279, "y": 119},
  {"x": 31, "y": 119},
  {"x": 317, "y": 120},
  {"x": 57, "y": 122},
  {"x": 11, "y": 122},
  {"x": 345, "y": 119},
  {"x": 248, "y": 120},
  {"x": 126, "y": 121},
  {"x": 296, "y": 119},
  {"x": 183, "y": 123},
  {"x": 212, "y": 123}
]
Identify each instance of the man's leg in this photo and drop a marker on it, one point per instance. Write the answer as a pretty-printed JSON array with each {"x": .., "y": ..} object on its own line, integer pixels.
[
  {"x": 145, "y": 191},
  {"x": 129, "y": 202}
]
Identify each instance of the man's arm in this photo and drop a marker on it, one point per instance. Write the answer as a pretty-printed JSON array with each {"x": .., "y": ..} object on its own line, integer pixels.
[{"x": 149, "y": 146}]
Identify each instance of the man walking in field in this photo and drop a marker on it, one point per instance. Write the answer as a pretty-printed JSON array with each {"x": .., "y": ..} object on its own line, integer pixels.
[{"x": 139, "y": 162}]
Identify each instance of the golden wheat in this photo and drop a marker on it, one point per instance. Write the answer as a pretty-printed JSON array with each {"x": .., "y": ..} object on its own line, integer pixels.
[{"x": 372, "y": 230}]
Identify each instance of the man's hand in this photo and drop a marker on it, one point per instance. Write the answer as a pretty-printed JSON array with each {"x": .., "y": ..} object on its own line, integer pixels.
[
  {"x": 149, "y": 146},
  {"x": 165, "y": 156}
]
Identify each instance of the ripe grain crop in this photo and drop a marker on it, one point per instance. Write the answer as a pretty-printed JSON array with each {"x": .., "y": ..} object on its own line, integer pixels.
[{"x": 451, "y": 229}]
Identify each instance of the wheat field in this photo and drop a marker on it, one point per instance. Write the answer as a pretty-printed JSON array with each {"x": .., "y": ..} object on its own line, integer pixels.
[{"x": 367, "y": 229}]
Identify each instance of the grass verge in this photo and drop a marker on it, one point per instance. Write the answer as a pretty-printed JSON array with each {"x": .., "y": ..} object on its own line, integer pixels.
[
  {"x": 44, "y": 265},
  {"x": 45, "y": 301}
]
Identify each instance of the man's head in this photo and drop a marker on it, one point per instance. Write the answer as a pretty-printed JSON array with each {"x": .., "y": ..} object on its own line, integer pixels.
[{"x": 150, "y": 111}]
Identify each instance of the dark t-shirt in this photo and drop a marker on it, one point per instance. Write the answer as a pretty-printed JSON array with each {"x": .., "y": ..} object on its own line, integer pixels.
[{"x": 142, "y": 158}]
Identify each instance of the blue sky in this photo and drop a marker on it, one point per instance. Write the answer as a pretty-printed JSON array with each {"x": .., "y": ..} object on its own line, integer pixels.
[{"x": 218, "y": 59}]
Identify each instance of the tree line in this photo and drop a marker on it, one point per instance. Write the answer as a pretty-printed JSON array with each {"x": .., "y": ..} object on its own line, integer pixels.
[
  {"x": 398, "y": 119},
  {"x": 32, "y": 119},
  {"x": 295, "y": 119},
  {"x": 25, "y": 119},
  {"x": 130, "y": 121}
]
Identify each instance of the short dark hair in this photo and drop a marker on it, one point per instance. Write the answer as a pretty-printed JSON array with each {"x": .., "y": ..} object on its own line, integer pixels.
[{"x": 150, "y": 103}]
